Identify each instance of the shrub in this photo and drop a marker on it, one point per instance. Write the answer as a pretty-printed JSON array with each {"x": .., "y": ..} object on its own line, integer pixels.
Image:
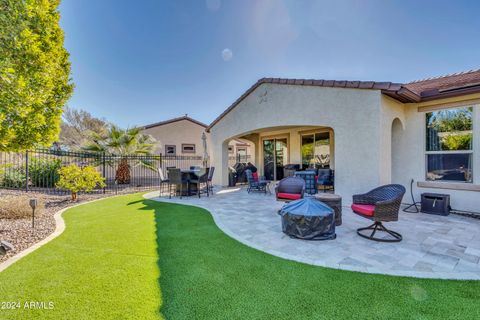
[
  {"x": 18, "y": 207},
  {"x": 76, "y": 179},
  {"x": 12, "y": 178},
  {"x": 44, "y": 172}
]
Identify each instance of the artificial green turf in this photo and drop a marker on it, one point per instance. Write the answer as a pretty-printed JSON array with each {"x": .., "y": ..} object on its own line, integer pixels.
[{"x": 106, "y": 266}]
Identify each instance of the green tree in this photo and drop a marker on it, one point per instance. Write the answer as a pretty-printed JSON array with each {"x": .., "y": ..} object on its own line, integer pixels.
[
  {"x": 77, "y": 179},
  {"x": 123, "y": 143},
  {"x": 35, "y": 79}
]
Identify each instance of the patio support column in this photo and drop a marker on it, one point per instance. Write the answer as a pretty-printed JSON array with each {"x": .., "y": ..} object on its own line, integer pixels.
[{"x": 220, "y": 162}]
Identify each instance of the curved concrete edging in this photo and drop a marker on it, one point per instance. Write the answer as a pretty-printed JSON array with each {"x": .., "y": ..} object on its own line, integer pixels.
[
  {"x": 59, "y": 228},
  {"x": 367, "y": 270}
]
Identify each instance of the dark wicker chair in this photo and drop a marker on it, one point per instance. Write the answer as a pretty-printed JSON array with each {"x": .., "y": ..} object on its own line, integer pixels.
[
  {"x": 163, "y": 181},
  {"x": 290, "y": 188},
  {"x": 177, "y": 181},
  {"x": 201, "y": 179},
  {"x": 310, "y": 180},
  {"x": 325, "y": 178},
  {"x": 210, "y": 178},
  {"x": 380, "y": 204},
  {"x": 255, "y": 184}
]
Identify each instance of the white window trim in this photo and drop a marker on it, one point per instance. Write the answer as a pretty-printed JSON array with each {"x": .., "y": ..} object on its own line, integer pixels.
[{"x": 473, "y": 151}]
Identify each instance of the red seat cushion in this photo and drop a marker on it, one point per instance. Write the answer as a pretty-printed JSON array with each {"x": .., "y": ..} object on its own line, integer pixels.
[
  {"x": 290, "y": 196},
  {"x": 365, "y": 209},
  {"x": 255, "y": 176}
]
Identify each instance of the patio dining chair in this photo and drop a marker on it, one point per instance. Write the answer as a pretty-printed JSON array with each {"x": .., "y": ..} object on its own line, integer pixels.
[
  {"x": 201, "y": 179},
  {"x": 163, "y": 181},
  {"x": 255, "y": 184},
  {"x": 381, "y": 204},
  {"x": 210, "y": 178},
  {"x": 177, "y": 181}
]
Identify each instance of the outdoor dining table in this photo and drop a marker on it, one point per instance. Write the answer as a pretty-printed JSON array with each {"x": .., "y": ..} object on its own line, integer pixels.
[{"x": 188, "y": 175}]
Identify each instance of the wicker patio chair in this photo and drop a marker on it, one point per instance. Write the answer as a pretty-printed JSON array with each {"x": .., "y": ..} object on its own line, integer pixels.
[
  {"x": 325, "y": 178},
  {"x": 255, "y": 184},
  {"x": 310, "y": 178},
  {"x": 290, "y": 188},
  {"x": 201, "y": 179},
  {"x": 163, "y": 181},
  {"x": 210, "y": 178},
  {"x": 380, "y": 204},
  {"x": 177, "y": 181}
]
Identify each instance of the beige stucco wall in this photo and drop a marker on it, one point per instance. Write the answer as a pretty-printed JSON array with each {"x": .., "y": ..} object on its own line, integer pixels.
[
  {"x": 176, "y": 133},
  {"x": 409, "y": 153},
  {"x": 353, "y": 114},
  {"x": 366, "y": 153}
]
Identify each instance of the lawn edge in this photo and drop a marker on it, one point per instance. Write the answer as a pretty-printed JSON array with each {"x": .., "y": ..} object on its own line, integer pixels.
[
  {"x": 440, "y": 277},
  {"x": 59, "y": 229}
]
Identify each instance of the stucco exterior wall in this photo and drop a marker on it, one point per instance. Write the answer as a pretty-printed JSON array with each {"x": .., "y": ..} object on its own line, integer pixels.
[
  {"x": 410, "y": 162},
  {"x": 176, "y": 133},
  {"x": 353, "y": 114}
]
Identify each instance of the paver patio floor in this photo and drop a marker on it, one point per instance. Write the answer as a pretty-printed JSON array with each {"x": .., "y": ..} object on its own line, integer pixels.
[{"x": 432, "y": 246}]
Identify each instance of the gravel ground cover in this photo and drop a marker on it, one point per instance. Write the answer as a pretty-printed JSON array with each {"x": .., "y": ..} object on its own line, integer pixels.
[{"x": 19, "y": 232}]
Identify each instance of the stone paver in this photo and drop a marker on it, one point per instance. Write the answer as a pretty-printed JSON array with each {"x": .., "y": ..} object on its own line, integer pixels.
[{"x": 432, "y": 246}]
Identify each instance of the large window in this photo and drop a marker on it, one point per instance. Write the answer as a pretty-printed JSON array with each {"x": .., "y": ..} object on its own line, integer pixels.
[
  {"x": 449, "y": 145},
  {"x": 316, "y": 150}
]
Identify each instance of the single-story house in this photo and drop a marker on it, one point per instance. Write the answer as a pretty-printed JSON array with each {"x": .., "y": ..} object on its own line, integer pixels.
[
  {"x": 182, "y": 136},
  {"x": 371, "y": 133}
]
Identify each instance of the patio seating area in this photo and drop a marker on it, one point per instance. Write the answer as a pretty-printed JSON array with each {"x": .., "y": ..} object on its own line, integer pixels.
[{"x": 444, "y": 247}]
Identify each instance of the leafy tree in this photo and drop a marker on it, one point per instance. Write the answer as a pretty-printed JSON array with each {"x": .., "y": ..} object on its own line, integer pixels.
[
  {"x": 35, "y": 79},
  {"x": 78, "y": 126},
  {"x": 77, "y": 179},
  {"x": 123, "y": 143}
]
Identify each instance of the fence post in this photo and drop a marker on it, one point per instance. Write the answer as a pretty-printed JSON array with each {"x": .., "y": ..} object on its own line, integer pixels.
[
  {"x": 26, "y": 171},
  {"x": 103, "y": 168}
]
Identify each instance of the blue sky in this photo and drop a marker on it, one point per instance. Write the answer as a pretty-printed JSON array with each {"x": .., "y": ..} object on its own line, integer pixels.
[{"x": 138, "y": 62}]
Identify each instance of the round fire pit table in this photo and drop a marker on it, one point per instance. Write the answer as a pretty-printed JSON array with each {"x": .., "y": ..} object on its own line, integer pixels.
[
  {"x": 334, "y": 201},
  {"x": 308, "y": 219}
]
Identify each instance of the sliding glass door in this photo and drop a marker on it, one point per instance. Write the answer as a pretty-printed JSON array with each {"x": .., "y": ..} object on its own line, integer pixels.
[
  {"x": 275, "y": 157},
  {"x": 316, "y": 150}
]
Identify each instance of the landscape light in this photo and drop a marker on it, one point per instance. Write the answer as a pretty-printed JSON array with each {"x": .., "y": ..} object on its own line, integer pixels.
[{"x": 33, "y": 205}]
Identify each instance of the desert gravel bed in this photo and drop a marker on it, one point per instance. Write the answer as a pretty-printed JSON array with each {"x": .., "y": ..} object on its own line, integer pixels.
[{"x": 19, "y": 232}]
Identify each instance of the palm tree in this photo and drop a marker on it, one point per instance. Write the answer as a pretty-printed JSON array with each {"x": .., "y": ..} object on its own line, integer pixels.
[{"x": 122, "y": 143}]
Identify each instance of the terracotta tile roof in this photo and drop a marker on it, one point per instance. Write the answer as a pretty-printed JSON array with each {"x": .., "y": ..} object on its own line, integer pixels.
[
  {"x": 185, "y": 117},
  {"x": 437, "y": 85},
  {"x": 416, "y": 91}
]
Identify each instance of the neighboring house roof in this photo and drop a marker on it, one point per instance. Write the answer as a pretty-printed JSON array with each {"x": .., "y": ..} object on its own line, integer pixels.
[
  {"x": 161, "y": 123},
  {"x": 422, "y": 90}
]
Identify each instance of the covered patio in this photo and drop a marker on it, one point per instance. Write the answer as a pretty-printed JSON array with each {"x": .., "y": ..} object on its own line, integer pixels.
[{"x": 432, "y": 247}]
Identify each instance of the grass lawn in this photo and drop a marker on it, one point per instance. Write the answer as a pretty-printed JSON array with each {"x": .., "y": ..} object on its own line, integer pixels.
[{"x": 106, "y": 266}]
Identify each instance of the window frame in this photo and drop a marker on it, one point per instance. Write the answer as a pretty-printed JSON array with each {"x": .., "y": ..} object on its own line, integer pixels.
[
  {"x": 314, "y": 132},
  {"x": 174, "y": 150},
  {"x": 189, "y": 145},
  {"x": 471, "y": 151}
]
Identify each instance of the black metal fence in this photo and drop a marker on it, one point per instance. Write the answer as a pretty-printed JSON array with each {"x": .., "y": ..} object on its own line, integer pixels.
[{"x": 37, "y": 170}]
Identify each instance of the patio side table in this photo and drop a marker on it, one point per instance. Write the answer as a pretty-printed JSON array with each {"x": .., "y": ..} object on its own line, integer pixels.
[{"x": 334, "y": 201}]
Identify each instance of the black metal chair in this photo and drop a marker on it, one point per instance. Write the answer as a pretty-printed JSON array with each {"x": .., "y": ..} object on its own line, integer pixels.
[
  {"x": 202, "y": 178},
  {"x": 177, "y": 181},
  {"x": 255, "y": 184},
  {"x": 163, "y": 181},
  {"x": 210, "y": 178},
  {"x": 326, "y": 179},
  {"x": 290, "y": 188},
  {"x": 381, "y": 204}
]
